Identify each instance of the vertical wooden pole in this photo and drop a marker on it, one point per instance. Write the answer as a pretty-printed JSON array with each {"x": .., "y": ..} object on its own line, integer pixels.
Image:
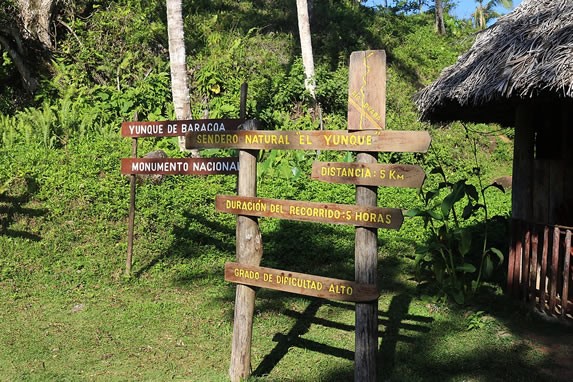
[
  {"x": 566, "y": 274},
  {"x": 366, "y": 266},
  {"x": 249, "y": 250},
  {"x": 518, "y": 257},
  {"x": 131, "y": 217},
  {"x": 543, "y": 275},
  {"x": 533, "y": 266},
  {"x": 525, "y": 263},
  {"x": 512, "y": 256},
  {"x": 366, "y": 111},
  {"x": 554, "y": 268}
]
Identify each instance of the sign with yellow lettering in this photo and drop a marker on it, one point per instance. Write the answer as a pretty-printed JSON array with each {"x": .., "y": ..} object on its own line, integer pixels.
[
  {"x": 374, "y": 174},
  {"x": 180, "y": 166},
  {"x": 371, "y": 141},
  {"x": 177, "y": 128},
  {"x": 367, "y": 90},
  {"x": 373, "y": 217},
  {"x": 300, "y": 283}
]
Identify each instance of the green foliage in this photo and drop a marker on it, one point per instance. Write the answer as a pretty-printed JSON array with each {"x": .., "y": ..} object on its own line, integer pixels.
[
  {"x": 447, "y": 254},
  {"x": 476, "y": 320}
]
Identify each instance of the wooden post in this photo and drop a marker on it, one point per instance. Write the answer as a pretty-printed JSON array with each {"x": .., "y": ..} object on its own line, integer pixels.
[
  {"x": 533, "y": 266},
  {"x": 512, "y": 255},
  {"x": 525, "y": 263},
  {"x": 366, "y": 265},
  {"x": 249, "y": 250},
  {"x": 131, "y": 217},
  {"x": 554, "y": 268},
  {"x": 366, "y": 111},
  {"x": 543, "y": 275},
  {"x": 566, "y": 274}
]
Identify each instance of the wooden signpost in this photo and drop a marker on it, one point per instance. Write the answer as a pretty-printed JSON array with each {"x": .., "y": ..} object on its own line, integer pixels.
[
  {"x": 174, "y": 166},
  {"x": 374, "y": 174},
  {"x": 375, "y": 217},
  {"x": 177, "y": 128},
  {"x": 366, "y": 137},
  {"x": 180, "y": 166},
  {"x": 371, "y": 141},
  {"x": 300, "y": 283},
  {"x": 367, "y": 90}
]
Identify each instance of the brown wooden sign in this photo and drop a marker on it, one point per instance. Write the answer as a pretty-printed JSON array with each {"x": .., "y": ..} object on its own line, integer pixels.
[
  {"x": 372, "y": 141},
  {"x": 180, "y": 166},
  {"x": 177, "y": 128},
  {"x": 367, "y": 90},
  {"x": 372, "y": 174},
  {"x": 300, "y": 283},
  {"x": 374, "y": 217}
]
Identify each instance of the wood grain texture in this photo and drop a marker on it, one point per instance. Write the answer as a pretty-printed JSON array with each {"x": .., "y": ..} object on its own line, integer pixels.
[
  {"x": 300, "y": 283},
  {"x": 249, "y": 251},
  {"x": 180, "y": 166},
  {"x": 374, "y": 217},
  {"x": 373, "y": 174},
  {"x": 367, "y": 90},
  {"x": 369, "y": 141},
  {"x": 177, "y": 128}
]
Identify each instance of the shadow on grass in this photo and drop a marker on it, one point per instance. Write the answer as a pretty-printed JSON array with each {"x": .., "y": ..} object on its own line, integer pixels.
[
  {"x": 14, "y": 195},
  {"x": 392, "y": 320},
  {"x": 410, "y": 345},
  {"x": 197, "y": 232}
]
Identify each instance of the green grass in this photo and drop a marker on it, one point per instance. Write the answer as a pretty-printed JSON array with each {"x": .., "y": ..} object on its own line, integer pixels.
[{"x": 69, "y": 314}]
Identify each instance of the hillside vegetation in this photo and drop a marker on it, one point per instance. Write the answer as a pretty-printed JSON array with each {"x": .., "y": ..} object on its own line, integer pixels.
[{"x": 70, "y": 313}]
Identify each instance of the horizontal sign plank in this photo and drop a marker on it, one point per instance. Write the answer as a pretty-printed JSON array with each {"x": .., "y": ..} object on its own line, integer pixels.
[
  {"x": 372, "y": 141},
  {"x": 180, "y": 166},
  {"x": 300, "y": 283},
  {"x": 177, "y": 128},
  {"x": 374, "y": 217},
  {"x": 374, "y": 174}
]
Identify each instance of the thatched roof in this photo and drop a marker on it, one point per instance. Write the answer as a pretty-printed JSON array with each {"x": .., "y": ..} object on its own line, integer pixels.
[{"x": 526, "y": 56}]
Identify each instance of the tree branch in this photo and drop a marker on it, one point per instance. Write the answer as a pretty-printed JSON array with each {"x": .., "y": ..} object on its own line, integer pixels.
[{"x": 30, "y": 83}]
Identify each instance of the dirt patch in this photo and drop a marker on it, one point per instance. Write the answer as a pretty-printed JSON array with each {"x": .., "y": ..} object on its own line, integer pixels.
[{"x": 558, "y": 350}]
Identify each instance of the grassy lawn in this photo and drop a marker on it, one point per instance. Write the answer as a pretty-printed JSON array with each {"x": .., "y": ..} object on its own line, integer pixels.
[{"x": 69, "y": 314}]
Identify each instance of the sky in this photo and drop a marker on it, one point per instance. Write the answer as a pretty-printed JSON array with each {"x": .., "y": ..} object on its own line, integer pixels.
[
  {"x": 463, "y": 10},
  {"x": 466, "y": 7}
]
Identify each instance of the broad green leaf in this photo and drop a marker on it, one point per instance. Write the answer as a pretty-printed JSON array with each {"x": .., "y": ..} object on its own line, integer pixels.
[
  {"x": 436, "y": 215},
  {"x": 496, "y": 185},
  {"x": 431, "y": 194},
  {"x": 458, "y": 296},
  {"x": 471, "y": 191},
  {"x": 498, "y": 253},
  {"x": 452, "y": 198},
  {"x": 487, "y": 267},
  {"x": 466, "y": 268},
  {"x": 468, "y": 210},
  {"x": 465, "y": 243},
  {"x": 438, "y": 170},
  {"x": 414, "y": 212}
]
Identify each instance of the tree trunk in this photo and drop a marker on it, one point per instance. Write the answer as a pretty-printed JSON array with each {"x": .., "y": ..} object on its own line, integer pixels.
[
  {"x": 440, "y": 26},
  {"x": 36, "y": 16},
  {"x": 306, "y": 47},
  {"x": 179, "y": 84}
]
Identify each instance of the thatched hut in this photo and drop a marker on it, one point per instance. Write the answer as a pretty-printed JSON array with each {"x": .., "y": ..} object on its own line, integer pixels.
[{"x": 519, "y": 73}]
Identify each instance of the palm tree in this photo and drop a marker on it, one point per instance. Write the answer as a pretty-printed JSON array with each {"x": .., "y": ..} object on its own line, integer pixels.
[
  {"x": 306, "y": 46},
  {"x": 179, "y": 84},
  {"x": 485, "y": 13}
]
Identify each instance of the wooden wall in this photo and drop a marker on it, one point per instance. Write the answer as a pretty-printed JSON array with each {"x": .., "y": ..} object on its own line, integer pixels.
[{"x": 542, "y": 189}]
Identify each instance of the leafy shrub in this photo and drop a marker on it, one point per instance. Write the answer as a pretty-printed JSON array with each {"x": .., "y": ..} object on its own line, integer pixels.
[{"x": 447, "y": 254}]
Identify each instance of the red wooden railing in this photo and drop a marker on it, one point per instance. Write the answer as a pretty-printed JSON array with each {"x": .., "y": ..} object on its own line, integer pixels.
[{"x": 540, "y": 268}]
